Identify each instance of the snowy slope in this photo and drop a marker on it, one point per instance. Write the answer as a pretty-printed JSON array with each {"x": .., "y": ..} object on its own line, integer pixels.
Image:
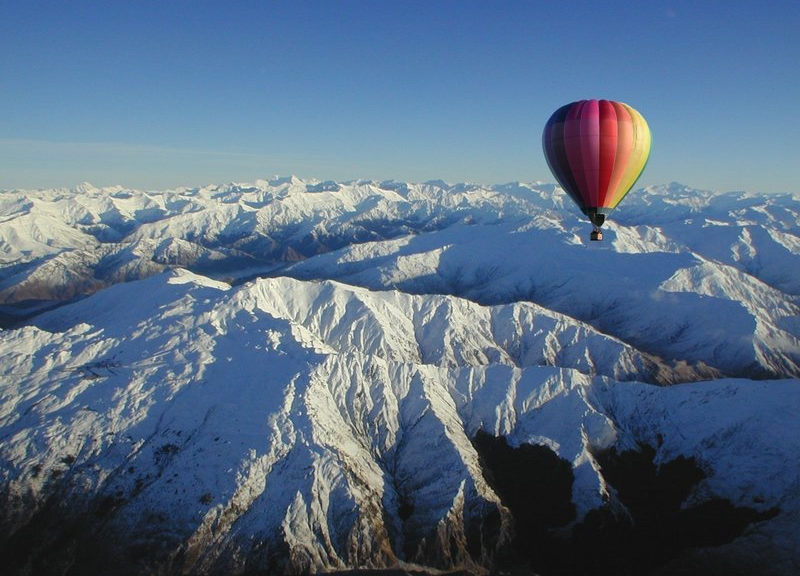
[
  {"x": 687, "y": 275},
  {"x": 317, "y": 410},
  {"x": 675, "y": 305},
  {"x": 282, "y": 425}
]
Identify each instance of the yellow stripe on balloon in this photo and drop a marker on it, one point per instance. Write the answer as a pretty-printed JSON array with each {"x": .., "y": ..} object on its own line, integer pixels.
[
  {"x": 623, "y": 153},
  {"x": 640, "y": 152}
]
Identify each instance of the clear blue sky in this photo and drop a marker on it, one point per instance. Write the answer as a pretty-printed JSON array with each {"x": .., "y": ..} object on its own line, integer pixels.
[{"x": 156, "y": 94}]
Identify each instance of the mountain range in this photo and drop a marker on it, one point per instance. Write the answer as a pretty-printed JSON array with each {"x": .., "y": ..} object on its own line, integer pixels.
[{"x": 294, "y": 376}]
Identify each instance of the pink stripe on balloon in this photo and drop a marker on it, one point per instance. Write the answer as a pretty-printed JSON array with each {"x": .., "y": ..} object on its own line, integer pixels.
[{"x": 590, "y": 149}]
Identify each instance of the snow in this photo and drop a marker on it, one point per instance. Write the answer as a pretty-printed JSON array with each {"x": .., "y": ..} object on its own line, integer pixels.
[{"x": 281, "y": 423}]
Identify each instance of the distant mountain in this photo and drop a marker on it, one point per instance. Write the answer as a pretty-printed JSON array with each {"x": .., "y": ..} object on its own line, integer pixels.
[
  {"x": 686, "y": 275},
  {"x": 301, "y": 376}
]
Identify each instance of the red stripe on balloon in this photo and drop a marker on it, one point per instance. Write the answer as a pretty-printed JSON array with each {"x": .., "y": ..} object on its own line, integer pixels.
[{"x": 608, "y": 150}]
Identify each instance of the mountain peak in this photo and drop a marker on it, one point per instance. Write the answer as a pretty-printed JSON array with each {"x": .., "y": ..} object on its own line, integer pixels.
[
  {"x": 86, "y": 188},
  {"x": 281, "y": 180}
]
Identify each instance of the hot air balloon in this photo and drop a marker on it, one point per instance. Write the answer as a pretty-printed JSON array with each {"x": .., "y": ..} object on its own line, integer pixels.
[{"x": 596, "y": 149}]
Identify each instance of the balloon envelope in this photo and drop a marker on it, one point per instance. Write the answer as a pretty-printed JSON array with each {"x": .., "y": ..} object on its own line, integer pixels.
[{"x": 596, "y": 149}]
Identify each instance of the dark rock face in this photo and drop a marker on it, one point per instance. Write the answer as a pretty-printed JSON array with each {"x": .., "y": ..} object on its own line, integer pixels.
[
  {"x": 536, "y": 485},
  {"x": 645, "y": 528},
  {"x": 655, "y": 525}
]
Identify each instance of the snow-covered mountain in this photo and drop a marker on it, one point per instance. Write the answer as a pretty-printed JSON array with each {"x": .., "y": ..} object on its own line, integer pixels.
[
  {"x": 685, "y": 275},
  {"x": 385, "y": 371}
]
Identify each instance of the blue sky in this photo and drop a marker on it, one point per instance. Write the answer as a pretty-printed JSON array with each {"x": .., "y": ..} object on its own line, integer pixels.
[{"x": 161, "y": 94}]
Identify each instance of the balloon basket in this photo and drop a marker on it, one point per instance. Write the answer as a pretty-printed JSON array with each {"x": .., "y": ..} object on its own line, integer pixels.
[{"x": 596, "y": 236}]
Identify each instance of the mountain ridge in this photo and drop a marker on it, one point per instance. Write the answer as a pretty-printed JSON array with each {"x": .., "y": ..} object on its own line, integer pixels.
[
  {"x": 291, "y": 376},
  {"x": 288, "y": 226},
  {"x": 155, "y": 377}
]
